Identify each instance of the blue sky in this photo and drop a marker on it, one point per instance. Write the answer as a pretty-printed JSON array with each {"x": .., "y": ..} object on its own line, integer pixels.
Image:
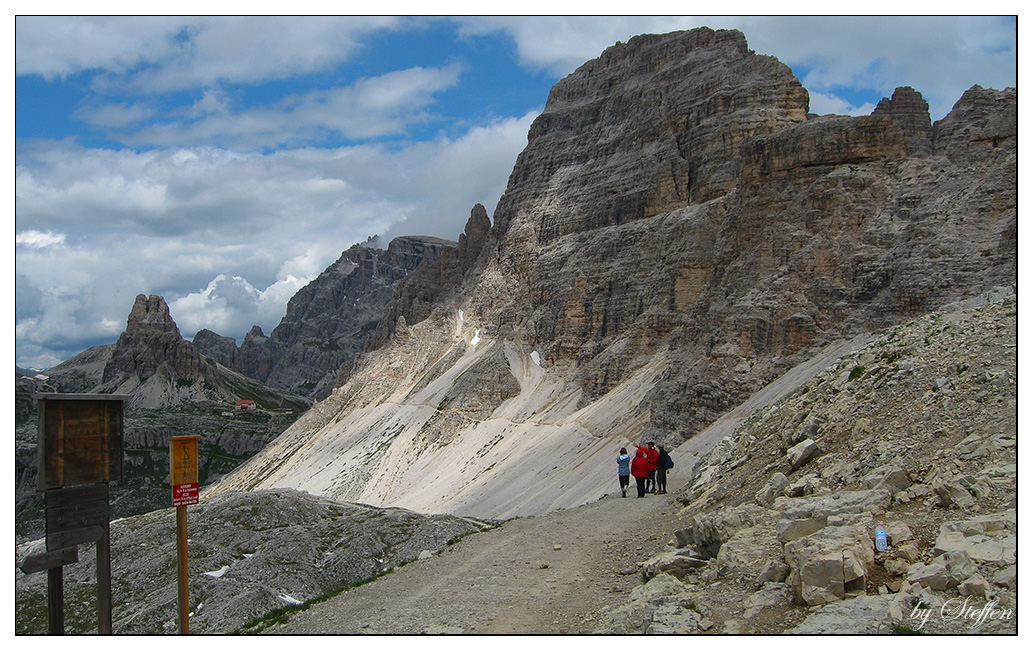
[{"x": 224, "y": 162}]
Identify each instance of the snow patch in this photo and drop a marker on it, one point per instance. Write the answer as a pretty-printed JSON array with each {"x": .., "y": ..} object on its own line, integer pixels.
[
  {"x": 476, "y": 337},
  {"x": 289, "y": 599},
  {"x": 217, "y": 574},
  {"x": 536, "y": 358}
]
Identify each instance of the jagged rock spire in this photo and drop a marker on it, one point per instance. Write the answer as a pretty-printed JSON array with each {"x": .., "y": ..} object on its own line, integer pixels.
[{"x": 150, "y": 313}]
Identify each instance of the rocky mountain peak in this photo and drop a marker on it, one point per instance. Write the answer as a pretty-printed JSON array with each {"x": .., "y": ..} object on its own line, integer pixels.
[
  {"x": 677, "y": 234},
  {"x": 474, "y": 236},
  {"x": 151, "y": 344},
  {"x": 150, "y": 314},
  {"x": 909, "y": 109},
  {"x": 329, "y": 321}
]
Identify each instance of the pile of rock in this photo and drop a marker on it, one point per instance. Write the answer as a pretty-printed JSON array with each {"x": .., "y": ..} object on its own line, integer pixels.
[
  {"x": 915, "y": 432},
  {"x": 249, "y": 554}
]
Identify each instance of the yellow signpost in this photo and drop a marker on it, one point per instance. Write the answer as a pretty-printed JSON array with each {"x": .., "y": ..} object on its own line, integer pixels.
[{"x": 183, "y": 477}]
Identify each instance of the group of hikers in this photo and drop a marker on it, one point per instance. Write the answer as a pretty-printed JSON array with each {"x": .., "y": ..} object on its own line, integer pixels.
[{"x": 649, "y": 468}]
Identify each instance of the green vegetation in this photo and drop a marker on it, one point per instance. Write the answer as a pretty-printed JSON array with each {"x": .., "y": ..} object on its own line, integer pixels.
[
  {"x": 281, "y": 615},
  {"x": 902, "y": 629}
]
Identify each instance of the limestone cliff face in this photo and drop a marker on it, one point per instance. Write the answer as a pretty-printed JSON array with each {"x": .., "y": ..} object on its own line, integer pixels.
[
  {"x": 330, "y": 320},
  {"x": 676, "y": 234},
  {"x": 418, "y": 294}
]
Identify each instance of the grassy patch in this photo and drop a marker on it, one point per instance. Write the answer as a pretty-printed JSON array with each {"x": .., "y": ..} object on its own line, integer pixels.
[{"x": 281, "y": 615}]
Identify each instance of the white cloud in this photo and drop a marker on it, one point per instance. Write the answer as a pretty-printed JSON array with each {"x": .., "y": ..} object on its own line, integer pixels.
[
  {"x": 175, "y": 53},
  {"x": 823, "y": 104},
  {"x": 58, "y": 46},
  {"x": 118, "y": 115},
  {"x": 369, "y": 108},
  {"x": 226, "y": 238},
  {"x": 38, "y": 240}
]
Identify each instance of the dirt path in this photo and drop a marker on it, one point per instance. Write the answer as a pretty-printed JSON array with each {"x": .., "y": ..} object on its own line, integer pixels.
[{"x": 547, "y": 574}]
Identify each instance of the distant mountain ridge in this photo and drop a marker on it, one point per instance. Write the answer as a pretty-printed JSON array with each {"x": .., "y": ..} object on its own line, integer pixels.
[
  {"x": 174, "y": 389},
  {"x": 328, "y": 322}
]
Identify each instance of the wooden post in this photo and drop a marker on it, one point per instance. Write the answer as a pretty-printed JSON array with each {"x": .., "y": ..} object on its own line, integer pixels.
[
  {"x": 56, "y": 600},
  {"x": 181, "y": 555},
  {"x": 104, "y": 581},
  {"x": 183, "y": 477}
]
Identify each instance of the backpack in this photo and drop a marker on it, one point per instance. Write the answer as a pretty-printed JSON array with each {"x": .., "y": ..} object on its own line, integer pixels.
[{"x": 670, "y": 462}]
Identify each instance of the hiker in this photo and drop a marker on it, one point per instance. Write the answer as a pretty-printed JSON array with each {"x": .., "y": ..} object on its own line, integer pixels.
[
  {"x": 663, "y": 464},
  {"x": 624, "y": 471},
  {"x": 651, "y": 454},
  {"x": 640, "y": 470}
]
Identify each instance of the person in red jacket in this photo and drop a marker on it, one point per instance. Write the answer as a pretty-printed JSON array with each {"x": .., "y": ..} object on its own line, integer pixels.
[
  {"x": 652, "y": 458},
  {"x": 640, "y": 471}
]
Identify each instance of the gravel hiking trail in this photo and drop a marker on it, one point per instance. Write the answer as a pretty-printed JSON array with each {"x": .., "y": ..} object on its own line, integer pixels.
[{"x": 548, "y": 574}]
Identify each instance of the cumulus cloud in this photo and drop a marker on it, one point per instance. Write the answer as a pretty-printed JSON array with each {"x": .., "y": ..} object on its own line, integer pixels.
[
  {"x": 230, "y": 304},
  {"x": 38, "y": 240},
  {"x": 823, "y": 104},
  {"x": 368, "y": 108},
  {"x": 227, "y": 238},
  {"x": 153, "y": 53}
]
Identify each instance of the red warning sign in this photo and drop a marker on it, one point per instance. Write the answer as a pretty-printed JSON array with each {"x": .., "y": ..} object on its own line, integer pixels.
[{"x": 185, "y": 494}]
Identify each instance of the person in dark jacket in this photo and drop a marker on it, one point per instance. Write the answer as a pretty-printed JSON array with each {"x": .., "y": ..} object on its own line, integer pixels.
[
  {"x": 624, "y": 471},
  {"x": 662, "y": 464},
  {"x": 640, "y": 471}
]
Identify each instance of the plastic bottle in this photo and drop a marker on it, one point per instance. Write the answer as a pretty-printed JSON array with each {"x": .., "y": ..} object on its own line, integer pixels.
[{"x": 881, "y": 543}]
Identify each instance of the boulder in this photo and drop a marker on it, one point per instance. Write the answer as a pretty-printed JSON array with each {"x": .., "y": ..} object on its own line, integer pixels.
[
  {"x": 678, "y": 564},
  {"x": 997, "y": 545},
  {"x": 974, "y": 586},
  {"x": 907, "y": 551},
  {"x": 711, "y": 530},
  {"x": 875, "y": 614},
  {"x": 945, "y": 572},
  {"x": 889, "y": 477},
  {"x": 789, "y": 530},
  {"x": 897, "y": 533},
  {"x": 1006, "y": 577},
  {"x": 750, "y": 549},
  {"x": 865, "y": 501},
  {"x": 830, "y": 564},
  {"x": 801, "y": 453},
  {"x": 771, "y": 594},
  {"x": 671, "y": 616},
  {"x": 774, "y": 487},
  {"x": 933, "y": 576},
  {"x": 774, "y": 572},
  {"x": 953, "y": 494}
]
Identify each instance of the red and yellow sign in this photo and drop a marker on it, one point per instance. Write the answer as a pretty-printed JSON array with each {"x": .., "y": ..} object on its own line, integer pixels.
[{"x": 183, "y": 470}]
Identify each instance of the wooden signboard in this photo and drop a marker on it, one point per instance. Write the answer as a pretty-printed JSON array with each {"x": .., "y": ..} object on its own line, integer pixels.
[
  {"x": 76, "y": 515},
  {"x": 80, "y": 450},
  {"x": 80, "y": 439},
  {"x": 183, "y": 470}
]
